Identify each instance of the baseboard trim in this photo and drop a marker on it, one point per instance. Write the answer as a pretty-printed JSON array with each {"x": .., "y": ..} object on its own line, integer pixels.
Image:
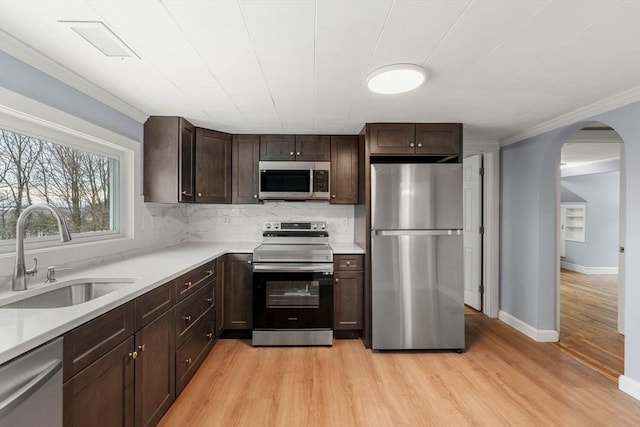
[
  {"x": 539, "y": 335},
  {"x": 629, "y": 386},
  {"x": 588, "y": 270}
]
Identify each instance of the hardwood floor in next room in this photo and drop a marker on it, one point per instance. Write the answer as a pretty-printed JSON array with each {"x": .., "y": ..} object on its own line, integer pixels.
[
  {"x": 588, "y": 322},
  {"x": 503, "y": 379}
]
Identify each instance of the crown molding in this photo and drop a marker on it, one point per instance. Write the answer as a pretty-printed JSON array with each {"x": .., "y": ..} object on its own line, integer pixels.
[
  {"x": 41, "y": 62},
  {"x": 608, "y": 104}
]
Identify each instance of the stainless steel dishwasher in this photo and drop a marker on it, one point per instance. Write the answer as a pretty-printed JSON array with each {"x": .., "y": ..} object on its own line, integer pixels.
[{"x": 31, "y": 388}]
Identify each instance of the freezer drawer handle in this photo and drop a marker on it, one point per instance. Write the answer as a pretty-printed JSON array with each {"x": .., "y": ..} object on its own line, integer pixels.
[
  {"x": 455, "y": 232},
  {"x": 29, "y": 388}
]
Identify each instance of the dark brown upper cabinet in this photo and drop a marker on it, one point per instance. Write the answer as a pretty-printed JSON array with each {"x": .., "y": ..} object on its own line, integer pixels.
[
  {"x": 391, "y": 138},
  {"x": 169, "y": 148},
  {"x": 245, "y": 156},
  {"x": 314, "y": 148},
  {"x": 437, "y": 139},
  {"x": 344, "y": 170},
  {"x": 184, "y": 164},
  {"x": 277, "y": 147},
  {"x": 212, "y": 166}
]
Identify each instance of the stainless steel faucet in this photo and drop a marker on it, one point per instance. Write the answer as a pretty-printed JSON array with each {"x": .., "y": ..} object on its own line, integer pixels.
[{"x": 20, "y": 272}]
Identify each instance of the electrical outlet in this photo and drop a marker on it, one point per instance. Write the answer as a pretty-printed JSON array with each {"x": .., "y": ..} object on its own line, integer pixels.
[{"x": 225, "y": 219}]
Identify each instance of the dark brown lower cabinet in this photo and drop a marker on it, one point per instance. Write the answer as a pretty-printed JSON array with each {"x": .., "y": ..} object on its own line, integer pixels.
[
  {"x": 194, "y": 349},
  {"x": 238, "y": 291},
  {"x": 347, "y": 302},
  {"x": 102, "y": 394},
  {"x": 155, "y": 388},
  {"x": 219, "y": 296}
]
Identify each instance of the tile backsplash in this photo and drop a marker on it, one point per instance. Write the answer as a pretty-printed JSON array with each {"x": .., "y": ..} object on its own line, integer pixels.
[{"x": 243, "y": 223}]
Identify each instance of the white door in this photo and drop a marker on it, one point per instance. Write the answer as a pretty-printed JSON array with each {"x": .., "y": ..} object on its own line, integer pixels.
[{"x": 472, "y": 203}]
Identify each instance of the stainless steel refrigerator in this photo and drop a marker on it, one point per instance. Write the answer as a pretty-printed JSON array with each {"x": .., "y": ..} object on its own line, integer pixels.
[{"x": 417, "y": 256}]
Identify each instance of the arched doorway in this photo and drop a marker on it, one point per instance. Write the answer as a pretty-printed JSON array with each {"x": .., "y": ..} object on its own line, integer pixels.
[{"x": 589, "y": 287}]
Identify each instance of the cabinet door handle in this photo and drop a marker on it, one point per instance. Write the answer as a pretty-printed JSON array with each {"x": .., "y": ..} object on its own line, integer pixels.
[
  {"x": 298, "y": 153},
  {"x": 291, "y": 153},
  {"x": 209, "y": 300},
  {"x": 199, "y": 194},
  {"x": 255, "y": 196},
  {"x": 187, "y": 285},
  {"x": 249, "y": 262},
  {"x": 133, "y": 355},
  {"x": 209, "y": 335},
  {"x": 209, "y": 272},
  {"x": 186, "y": 193},
  {"x": 187, "y": 361},
  {"x": 419, "y": 144},
  {"x": 141, "y": 348},
  {"x": 333, "y": 196},
  {"x": 187, "y": 318},
  {"x": 337, "y": 280},
  {"x": 411, "y": 144}
]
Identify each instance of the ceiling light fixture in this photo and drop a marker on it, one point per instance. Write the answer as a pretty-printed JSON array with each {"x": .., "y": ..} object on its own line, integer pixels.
[
  {"x": 396, "y": 78},
  {"x": 102, "y": 38}
]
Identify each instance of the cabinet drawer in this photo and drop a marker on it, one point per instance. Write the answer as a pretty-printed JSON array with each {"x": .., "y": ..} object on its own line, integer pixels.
[
  {"x": 190, "y": 310},
  {"x": 85, "y": 344},
  {"x": 151, "y": 305},
  {"x": 190, "y": 355},
  {"x": 189, "y": 283},
  {"x": 348, "y": 262}
]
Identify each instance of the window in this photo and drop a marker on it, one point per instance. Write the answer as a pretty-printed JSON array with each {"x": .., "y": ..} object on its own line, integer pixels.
[{"x": 83, "y": 184}]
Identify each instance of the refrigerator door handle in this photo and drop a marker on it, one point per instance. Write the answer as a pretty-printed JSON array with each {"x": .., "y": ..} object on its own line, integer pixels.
[{"x": 452, "y": 232}]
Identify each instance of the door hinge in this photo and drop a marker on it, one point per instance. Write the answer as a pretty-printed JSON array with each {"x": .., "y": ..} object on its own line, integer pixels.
[
  {"x": 481, "y": 171},
  {"x": 481, "y": 229},
  {"x": 481, "y": 288}
]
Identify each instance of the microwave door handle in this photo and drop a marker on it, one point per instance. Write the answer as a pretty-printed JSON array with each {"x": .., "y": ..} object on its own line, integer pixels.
[{"x": 311, "y": 182}]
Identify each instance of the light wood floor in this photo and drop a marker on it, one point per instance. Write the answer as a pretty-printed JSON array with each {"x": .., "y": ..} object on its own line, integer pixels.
[
  {"x": 503, "y": 379},
  {"x": 588, "y": 322}
]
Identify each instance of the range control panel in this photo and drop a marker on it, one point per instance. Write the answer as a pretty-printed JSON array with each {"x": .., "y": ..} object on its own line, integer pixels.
[{"x": 294, "y": 225}]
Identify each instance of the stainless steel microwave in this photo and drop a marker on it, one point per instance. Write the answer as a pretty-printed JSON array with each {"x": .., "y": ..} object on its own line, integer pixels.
[{"x": 292, "y": 180}]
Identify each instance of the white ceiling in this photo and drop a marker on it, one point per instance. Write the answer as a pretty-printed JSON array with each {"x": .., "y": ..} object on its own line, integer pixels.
[{"x": 299, "y": 66}]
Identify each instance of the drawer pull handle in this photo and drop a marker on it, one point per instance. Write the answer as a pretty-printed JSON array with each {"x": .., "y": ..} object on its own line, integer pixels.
[
  {"x": 186, "y": 193},
  {"x": 348, "y": 262},
  {"x": 209, "y": 335},
  {"x": 187, "y": 285},
  {"x": 187, "y": 318},
  {"x": 209, "y": 300},
  {"x": 209, "y": 272},
  {"x": 141, "y": 348},
  {"x": 188, "y": 361},
  {"x": 133, "y": 355}
]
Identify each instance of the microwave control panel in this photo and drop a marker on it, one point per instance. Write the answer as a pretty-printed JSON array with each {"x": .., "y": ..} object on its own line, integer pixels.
[{"x": 320, "y": 181}]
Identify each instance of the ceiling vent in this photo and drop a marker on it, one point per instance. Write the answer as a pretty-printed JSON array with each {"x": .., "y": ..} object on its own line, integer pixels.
[{"x": 102, "y": 38}]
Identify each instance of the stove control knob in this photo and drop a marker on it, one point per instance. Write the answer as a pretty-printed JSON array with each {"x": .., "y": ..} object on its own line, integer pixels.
[
  {"x": 267, "y": 226},
  {"x": 315, "y": 226},
  {"x": 323, "y": 226},
  {"x": 276, "y": 225}
]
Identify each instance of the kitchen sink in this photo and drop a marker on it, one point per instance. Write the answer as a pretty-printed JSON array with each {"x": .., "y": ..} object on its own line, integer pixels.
[{"x": 73, "y": 293}]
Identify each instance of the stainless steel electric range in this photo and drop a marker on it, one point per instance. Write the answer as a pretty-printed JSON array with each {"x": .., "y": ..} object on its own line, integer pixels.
[{"x": 293, "y": 285}]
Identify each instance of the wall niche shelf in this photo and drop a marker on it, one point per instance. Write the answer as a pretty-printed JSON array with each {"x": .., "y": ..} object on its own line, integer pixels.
[{"x": 575, "y": 223}]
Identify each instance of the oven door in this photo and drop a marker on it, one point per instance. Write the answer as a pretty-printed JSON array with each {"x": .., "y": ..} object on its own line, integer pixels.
[{"x": 292, "y": 299}]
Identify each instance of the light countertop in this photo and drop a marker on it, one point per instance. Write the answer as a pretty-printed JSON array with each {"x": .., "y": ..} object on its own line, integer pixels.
[{"x": 24, "y": 329}]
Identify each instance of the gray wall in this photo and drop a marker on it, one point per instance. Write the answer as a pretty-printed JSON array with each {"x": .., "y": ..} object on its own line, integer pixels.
[
  {"x": 26, "y": 80},
  {"x": 601, "y": 191},
  {"x": 528, "y": 250}
]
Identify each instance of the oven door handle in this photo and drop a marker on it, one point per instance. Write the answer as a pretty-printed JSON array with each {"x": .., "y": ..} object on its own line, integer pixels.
[{"x": 291, "y": 267}]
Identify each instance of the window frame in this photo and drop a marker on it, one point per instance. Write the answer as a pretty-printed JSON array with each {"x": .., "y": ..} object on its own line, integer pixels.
[{"x": 52, "y": 125}]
